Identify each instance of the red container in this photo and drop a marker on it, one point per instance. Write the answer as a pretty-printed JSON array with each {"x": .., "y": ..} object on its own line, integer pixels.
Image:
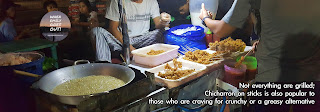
[
  {"x": 250, "y": 74},
  {"x": 234, "y": 76},
  {"x": 251, "y": 63},
  {"x": 208, "y": 38}
]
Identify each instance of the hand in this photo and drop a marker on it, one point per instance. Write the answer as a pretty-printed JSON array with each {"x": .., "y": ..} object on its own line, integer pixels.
[
  {"x": 94, "y": 23},
  {"x": 25, "y": 31},
  {"x": 23, "y": 34},
  {"x": 131, "y": 49},
  {"x": 204, "y": 12},
  {"x": 165, "y": 18},
  {"x": 254, "y": 46}
]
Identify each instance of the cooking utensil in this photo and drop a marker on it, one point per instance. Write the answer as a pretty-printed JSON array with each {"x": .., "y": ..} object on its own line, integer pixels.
[
  {"x": 48, "y": 82},
  {"x": 241, "y": 60},
  {"x": 34, "y": 67},
  {"x": 124, "y": 31},
  {"x": 26, "y": 73}
]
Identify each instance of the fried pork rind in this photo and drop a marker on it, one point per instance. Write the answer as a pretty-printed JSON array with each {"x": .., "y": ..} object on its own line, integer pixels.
[
  {"x": 155, "y": 52},
  {"x": 11, "y": 59},
  {"x": 176, "y": 72},
  {"x": 228, "y": 45},
  {"x": 177, "y": 64},
  {"x": 201, "y": 57}
]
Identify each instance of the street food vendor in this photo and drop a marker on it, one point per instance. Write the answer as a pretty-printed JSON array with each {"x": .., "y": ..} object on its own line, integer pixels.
[
  {"x": 138, "y": 14},
  {"x": 289, "y": 49},
  {"x": 7, "y": 29}
]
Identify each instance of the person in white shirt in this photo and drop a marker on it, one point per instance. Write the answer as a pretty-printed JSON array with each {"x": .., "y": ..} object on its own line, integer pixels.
[{"x": 138, "y": 14}]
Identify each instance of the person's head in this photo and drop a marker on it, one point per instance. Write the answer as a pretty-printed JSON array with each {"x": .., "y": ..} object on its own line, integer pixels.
[
  {"x": 50, "y": 5},
  {"x": 85, "y": 7},
  {"x": 9, "y": 8}
]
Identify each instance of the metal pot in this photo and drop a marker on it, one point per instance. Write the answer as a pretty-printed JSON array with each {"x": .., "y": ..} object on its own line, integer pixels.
[{"x": 48, "y": 82}]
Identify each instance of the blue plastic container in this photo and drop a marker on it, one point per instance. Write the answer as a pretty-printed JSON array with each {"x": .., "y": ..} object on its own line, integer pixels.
[
  {"x": 34, "y": 67},
  {"x": 187, "y": 41}
]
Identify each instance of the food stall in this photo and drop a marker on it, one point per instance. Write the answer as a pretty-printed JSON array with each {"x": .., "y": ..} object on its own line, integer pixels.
[
  {"x": 157, "y": 73},
  {"x": 199, "y": 70},
  {"x": 148, "y": 88}
]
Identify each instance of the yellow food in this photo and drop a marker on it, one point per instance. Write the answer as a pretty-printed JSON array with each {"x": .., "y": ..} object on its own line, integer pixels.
[
  {"x": 155, "y": 52},
  {"x": 176, "y": 72},
  {"x": 88, "y": 85},
  {"x": 201, "y": 57},
  {"x": 228, "y": 44}
]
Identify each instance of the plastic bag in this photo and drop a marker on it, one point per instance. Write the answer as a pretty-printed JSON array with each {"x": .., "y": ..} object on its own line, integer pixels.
[{"x": 187, "y": 36}]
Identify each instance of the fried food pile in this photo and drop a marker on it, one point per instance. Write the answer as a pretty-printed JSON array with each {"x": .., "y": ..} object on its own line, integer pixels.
[
  {"x": 201, "y": 57},
  {"x": 155, "y": 52},
  {"x": 176, "y": 72},
  {"x": 88, "y": 85},
  {"x": 229, "y": 45},
  {"x": 11, "y": 59}
]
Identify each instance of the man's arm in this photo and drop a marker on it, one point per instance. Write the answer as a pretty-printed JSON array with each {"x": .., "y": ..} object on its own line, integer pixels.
[
  {"x": 158, "y": 24},
  {"x": 235, "y": 18},
  {"x": 218, "y": 27},
  {"x": 113, "y": 29},
  {"x": 162, "y": 21}
]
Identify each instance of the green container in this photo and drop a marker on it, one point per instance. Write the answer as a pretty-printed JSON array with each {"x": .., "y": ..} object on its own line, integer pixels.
[{"x": 249, "y": 61}]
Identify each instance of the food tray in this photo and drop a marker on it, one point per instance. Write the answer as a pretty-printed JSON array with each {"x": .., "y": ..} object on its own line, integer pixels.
[
  {"x": 209, "y": 66},
  {"x": 199, "y": 70},
  {"x": 140, "y": 55}
]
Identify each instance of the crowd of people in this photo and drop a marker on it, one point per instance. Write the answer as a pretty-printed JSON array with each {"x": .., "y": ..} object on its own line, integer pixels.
[{"x": 283, "y": 32}]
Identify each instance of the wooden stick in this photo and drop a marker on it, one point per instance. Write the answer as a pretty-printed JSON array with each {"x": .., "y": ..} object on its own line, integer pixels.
[
  {"x": 241, "y": 60},
  {"x": 26, "y": 73}
]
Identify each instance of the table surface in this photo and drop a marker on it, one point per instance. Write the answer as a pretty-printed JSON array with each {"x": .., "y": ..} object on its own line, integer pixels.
[{"x": 29, "y": 44}]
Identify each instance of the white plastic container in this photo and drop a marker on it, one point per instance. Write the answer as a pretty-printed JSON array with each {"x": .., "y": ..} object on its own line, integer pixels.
[
  {"x": 199, "y": 70},
  {"x": 195, "y": 7},
  {"x": 140, "y": 55}
]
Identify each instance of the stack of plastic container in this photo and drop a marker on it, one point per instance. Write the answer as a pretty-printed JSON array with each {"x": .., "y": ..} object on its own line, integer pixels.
[{"x": 74, "y": 11}]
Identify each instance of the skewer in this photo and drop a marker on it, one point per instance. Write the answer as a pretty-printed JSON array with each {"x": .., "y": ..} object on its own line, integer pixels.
[{"x": 241, "y": 60}]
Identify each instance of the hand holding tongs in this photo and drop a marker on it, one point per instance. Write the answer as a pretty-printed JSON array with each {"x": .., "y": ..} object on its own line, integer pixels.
[
  {"x": 242, "y": 57},
  {"x": 241, "y": 60}
]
